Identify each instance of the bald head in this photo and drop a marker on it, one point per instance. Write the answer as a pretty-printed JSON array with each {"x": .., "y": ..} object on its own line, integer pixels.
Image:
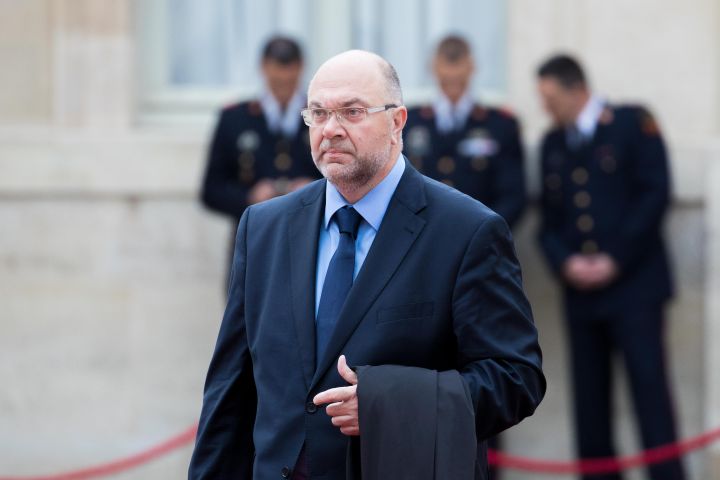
[
  {"x": 360, "y": 136},
  {"x": 362, "y": 67}
]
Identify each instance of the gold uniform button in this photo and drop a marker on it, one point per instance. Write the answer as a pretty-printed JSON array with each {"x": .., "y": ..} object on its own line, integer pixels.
[
  {"x": 553, "y": 181},
  {"x": 590, "y": 246},
  {"x": 582, "y": 199},
  {"x": 446, "y": 165},
  {"x": 283, "y": 162},
  {"x": 580, "y": 176},
  {"x": 479, "y": 163},
  {"x": 449, "y": 183},
  {"x": 246, "y": 160},
  {"x": 585, "y": 223}
]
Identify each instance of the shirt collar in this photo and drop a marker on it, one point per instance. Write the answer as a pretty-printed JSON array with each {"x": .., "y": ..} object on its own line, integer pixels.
[
  {"x": 373, "y": 205},
  {"x": 587, "y": 121},
  {"x": 449, "y": 116},
  {"x": 278, "y": 120}
]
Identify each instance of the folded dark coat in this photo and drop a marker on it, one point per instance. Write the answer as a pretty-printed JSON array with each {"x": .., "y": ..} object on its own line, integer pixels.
[{"x": 415, "y": 424}]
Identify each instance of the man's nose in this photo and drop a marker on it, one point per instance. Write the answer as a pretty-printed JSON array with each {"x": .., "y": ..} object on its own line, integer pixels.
[{"x": 333, "y": 127}]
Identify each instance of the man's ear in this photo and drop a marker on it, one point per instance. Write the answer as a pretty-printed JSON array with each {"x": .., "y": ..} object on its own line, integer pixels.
[{"x": 399, "y": 118}]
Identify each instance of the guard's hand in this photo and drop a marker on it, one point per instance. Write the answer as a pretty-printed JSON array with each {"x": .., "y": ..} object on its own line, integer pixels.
[
  {"x": 342, "y": 401},
  {"x": 605, "y": 270}
]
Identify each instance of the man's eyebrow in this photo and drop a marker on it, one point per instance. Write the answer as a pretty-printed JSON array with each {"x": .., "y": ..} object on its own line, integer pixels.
[{"x": 347, "y": 103}]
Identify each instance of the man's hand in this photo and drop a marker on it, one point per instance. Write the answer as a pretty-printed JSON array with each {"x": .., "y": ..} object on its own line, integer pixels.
[
  {"x": 343, "y": 402},
  {"x": 605, "y": 269},
  {"x": 590, "y": 272}
]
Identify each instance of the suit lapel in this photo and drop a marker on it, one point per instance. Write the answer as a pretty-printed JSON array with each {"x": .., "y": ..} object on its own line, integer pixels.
[
  {"x": 302, "y": 242},
  {"x": 398, "y": 231}
]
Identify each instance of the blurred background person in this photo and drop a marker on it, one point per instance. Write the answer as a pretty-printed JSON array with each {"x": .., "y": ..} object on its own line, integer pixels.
[
  {"x": 606, "y": 189},
  {"x": 260, "y": 148},
  {"x": 474, "y": 148},
  {"x": 469, "y": 146}
]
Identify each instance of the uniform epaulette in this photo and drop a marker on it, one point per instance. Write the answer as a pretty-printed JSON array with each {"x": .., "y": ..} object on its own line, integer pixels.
[
  {"x": 478, "y": 112},
  {"x": 648, "y": 124},
  {"x": 506, "y": 112},
  {"x": 254, "y": 108},
  {"x": 232, "y": 105}
]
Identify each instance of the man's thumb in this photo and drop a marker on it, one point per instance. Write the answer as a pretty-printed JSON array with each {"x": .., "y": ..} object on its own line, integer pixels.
[{"x": 346, "y": 372}]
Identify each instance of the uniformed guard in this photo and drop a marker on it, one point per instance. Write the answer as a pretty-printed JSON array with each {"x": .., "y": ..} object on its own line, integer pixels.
[
  {"x": 605, "y": 191},
  {"x": 260, "y": 148},
  {"x": 471, "y": 147}
]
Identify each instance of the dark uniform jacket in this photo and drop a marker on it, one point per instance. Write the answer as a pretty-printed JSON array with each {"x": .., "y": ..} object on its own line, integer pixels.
[
  {"x": 243, "y": 150},
  {"x": 440, "y": 289},
  {"x": 610, "y": 195},
  {"x": 484, "y": 159}
]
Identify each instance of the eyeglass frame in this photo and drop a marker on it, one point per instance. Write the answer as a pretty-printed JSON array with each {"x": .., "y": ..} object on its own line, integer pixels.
[{"x": 340, "y": 118}]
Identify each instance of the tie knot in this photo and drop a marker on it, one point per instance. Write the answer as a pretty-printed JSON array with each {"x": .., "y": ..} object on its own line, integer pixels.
[{"x": 348, "y": 220}]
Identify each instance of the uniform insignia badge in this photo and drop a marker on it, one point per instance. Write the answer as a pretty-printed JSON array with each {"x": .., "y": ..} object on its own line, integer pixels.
[
  {"x": 248, "y": 141},
  {"x": 478, "y": 143},
  {"x": 418, "y": 141}
]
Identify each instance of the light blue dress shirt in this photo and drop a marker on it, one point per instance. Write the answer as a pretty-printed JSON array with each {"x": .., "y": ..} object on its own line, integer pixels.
[{"x": 371, "y": 208}]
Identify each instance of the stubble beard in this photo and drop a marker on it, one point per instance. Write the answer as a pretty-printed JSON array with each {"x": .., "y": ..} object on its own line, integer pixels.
[{"x": 357, "y": 173}]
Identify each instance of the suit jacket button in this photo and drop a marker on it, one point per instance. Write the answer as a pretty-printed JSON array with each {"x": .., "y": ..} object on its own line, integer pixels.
[
  {"x": 310, "y": 407},
  {"x": 285, "y": 472}
]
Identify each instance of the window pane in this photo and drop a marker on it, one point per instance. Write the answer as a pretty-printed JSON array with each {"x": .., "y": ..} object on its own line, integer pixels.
[{"x": 215, "y": 43}]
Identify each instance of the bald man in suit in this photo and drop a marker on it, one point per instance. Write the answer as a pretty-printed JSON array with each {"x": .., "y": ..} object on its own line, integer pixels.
[{"x": 382, "y": 266}]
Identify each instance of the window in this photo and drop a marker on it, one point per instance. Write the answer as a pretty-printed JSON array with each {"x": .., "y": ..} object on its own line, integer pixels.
[{"x": 195, "y": 55}]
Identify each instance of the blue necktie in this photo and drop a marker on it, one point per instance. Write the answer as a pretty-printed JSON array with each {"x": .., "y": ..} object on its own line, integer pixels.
[{"x": 338, "y": 280}]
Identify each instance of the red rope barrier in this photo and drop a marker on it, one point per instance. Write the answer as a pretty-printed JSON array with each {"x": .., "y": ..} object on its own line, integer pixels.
[
  {"x": 122, "y": 464},
  {"x": 503, "y": 460},
  {"x": 651, "y": 456}
]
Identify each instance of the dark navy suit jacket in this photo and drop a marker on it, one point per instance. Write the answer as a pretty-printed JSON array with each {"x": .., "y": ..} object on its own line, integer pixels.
[{"x": 440, "y": 289}]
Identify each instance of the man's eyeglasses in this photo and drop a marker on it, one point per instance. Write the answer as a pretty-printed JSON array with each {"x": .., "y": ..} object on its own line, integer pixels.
[{"x": 315, "y": 117}]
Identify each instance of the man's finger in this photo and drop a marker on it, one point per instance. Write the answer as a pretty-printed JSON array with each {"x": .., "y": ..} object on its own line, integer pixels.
[
  {"x": 346, "y": 372},
  {"x": 339, "y": 394},
  {"x": 344, "y": 421}
]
